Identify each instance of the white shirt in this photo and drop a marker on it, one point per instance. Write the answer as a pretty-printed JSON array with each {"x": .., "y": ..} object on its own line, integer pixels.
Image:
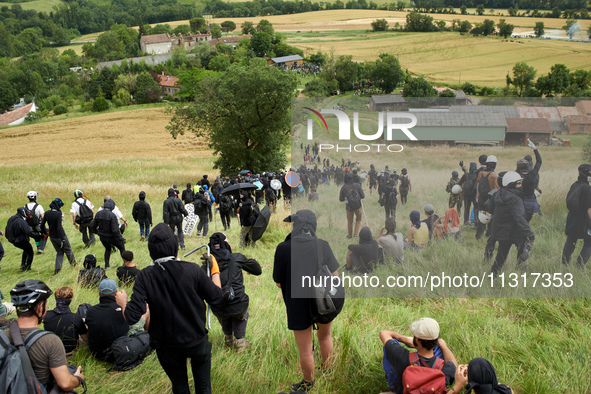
[
  {"x": 76, "y": 208},
  {"x": 116, "y": 211},
  {"x": 39, "y": 211}
]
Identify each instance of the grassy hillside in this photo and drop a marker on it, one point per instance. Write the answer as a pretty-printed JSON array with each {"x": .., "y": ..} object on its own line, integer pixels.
[
  {"x": 37, "y": 5},
  {"x": 536, "y": 345}
]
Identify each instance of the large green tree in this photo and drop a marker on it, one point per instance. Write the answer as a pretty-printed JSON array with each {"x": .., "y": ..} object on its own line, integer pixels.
[
  {"x": 245, "y": 113},
  {"x": 523, "y": 76},
  {"x": 8, "y": 95},
  {"x": 387, "y": 73},
  {"x": 261, "y": 43},
  {"x": 418, "y": 87}
]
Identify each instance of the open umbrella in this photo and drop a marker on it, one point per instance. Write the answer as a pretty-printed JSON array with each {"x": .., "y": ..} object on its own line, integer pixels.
[
  {"x": 239, "y": 186},
  {"x": 261, "y": 223},
  {"x": 258, "y": 184},
  {"x": 244, "y": 172}
]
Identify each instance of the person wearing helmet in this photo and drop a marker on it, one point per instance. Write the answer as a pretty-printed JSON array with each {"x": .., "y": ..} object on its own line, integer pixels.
[
  {"x": 18, "y": 233},
  {"x": 455, "y": 197},
  {"x": 106, "y": 225},
  {"x": 47, "y": 353},
  {"x": 80, "y": 199},
  {"x": 34, "y": 214},
  {"x": 173, "y": 211},
  {"x": 485, "y": 182},
  {"x": 509, "y": 226},
  {"x": 531, "y": 180},
  {"x": 57, "y": 235},
  {"x": 578, "y": 202},
  {"x": 405, "y": 186}
]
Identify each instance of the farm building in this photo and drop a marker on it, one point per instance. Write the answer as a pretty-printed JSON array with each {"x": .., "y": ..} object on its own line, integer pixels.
[
  {"x": 286, "y": 61},
  {"x": 156, "y": 43},
  {"x": 584, "y": 107},
  {"x": 17, "y": 116},
  {"x": 578, "y": 124},
  {"x": 229, "y": 40},
  {"x": 387, "y": 102},
  {"x": 520, "y": 129}
]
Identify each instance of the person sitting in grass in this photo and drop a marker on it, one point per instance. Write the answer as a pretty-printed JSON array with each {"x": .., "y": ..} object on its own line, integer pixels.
[
  {"x": 391, "y": 242},
  {"x": 61, "y": 321},
  {"x": 418, "y": 233},
  {"x": 91, "y": 275},
  {"x": 362, "y": 257},
  {"x": 128, "y": 271},
  {"x": 478, "y": 376},
  {"x": 432, "y": 351}
]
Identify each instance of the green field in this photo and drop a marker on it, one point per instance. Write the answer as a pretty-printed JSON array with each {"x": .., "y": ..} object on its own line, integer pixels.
[
  {"x": 37, "y": 5},
  {"x": 536, "y": 345}
]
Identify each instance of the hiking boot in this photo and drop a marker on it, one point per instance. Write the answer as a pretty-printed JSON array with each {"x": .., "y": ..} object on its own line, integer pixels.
[
  {"x": 40, "y": 251},
  {"x": 229, "y": 340},
  {"x": 302, "y": 387},
  {"x": 142, "y": 239},
  {"x": 241, "y": 344}
]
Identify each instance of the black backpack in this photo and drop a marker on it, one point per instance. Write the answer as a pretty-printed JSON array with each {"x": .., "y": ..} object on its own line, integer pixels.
[
  {"x": 353, "y": 199},
  {"x": 85, "y": 215},
  {"x": 128, "y": 352},
  {"x": 404, "y": 181},
  {"x": 30, "y": 216},
  {"x": 200, "y": 203},
  {"x": 483, "y": 188},
  {"x": 469, "y": 184},
  {"x": 225, "y": 205},
  {"x": 573, "y": 197},
  {"x": 392, "y": 200},
  {"x": 91, "y": 277}
]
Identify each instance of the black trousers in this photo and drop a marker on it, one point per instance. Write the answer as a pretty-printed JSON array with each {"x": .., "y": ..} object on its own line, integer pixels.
[
  {"x": 174, "y": 363},
  {"x": 569, "y": 248},
  {"x": 403, "y": 195},
  {"x": 87, "y": 236},
  {"x": 108, "y": 243},
  {"x": 234, "y": 325},
  {"x": 28, "y": 254},
  {"x": 468, "y": 204},
  {"x": 225, "y": 216},
  {"x": 390, "y": 211},
  {"x": 503, "y": 252}
]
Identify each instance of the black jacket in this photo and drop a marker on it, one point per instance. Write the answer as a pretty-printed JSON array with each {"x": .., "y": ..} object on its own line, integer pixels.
[
  {"x": 106, "y": 224},
  {"x": 345, "y": 190},
  {"x": 531, "y": 179},
  {"x": 53, "y": 219},
  {"x": 173, "y": 210},
  {"x": 236, "y": 263},
  {"x": 509, "y": 222},
  {"x": 17, "y": 229},
  {"x": 188, "y": 196},
  {"x": 141, "y": 210},
  {"x": 175, "y": 291}
]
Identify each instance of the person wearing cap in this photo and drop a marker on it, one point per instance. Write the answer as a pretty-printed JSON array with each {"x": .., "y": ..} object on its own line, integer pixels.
[
  {"x": 509, "y": 226},
  {"x": 105, "y": 322},
  {"x": 486, "y": 177},
  {"x": 175, "y": 187},
  {"x": 47, "y": 353},
  {"x": 80, "y": 199},
  {"x": 175, "y": 290},
  {"x": 531, "y": 180},
  {"x": 38, "y": 211},
  {"x": 142, "y": 214},
  {"x": 579, "y": 217},
  {"x": 106, "y": 225},
  {"x": 455, "y": 200},
  {"x": 480, "y": 377},
  {"x": 173, "y": 211},
  {"x": 57, "y": 235},
  {"x": 430, "y": 347},
  {"x": 18, "y": 233},
  {"x": 431, "y": 219}
]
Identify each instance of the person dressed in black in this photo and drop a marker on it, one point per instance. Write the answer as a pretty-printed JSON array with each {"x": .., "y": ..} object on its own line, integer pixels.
[
  {"x": 61, "y": 321},
  {"x": 201, "y": 204},
  {"x": 509, "y": 226},
  {"x": 296, "y": 258},
  {"x": 578, "y": 221},
  {"x": 405, "y": 186},
  {"x": 18, "y": 233},
  {"x": 373, "y": 178},
  {"x": 188, "y": 194},
  {"x": 233, "y": 312},
  {"x": 531, "y": 180},
  {"x": 390, "y": 199},
  {"x": 248, "y": 214},
  {"x": 173, "y": 211},
  {"x": 174, "y": 291},
  {"x": 468, "y": 183},
  {"x": 106, "y": 225},
  {"x": 225, "y": 209},
  {"x": 57, "y": 235},
  {"x": 91, "y": 275},
  {"x": 128, "y": 271},
  {"x": 364, "y": 256},
  {"x": 142, "y": 214}
]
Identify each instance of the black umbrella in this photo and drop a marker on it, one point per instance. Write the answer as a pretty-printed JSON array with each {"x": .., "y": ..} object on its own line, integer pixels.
[{"x": 239, "y": 186}]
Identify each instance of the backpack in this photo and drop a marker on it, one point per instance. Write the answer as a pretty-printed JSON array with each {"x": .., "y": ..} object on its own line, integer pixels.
[
  {"x": 200, "y": 203},
  {"x": 469, "y": 184},
  {"x": 353, "y": 199},
  {"x": 9, "y": 231},
  {"x": 250, "y": 216},
  {"x": 227, "y": 278},
  {"x": 30, "y": 216},
  {"x": 128, "y": 352},
  {"x": 225, "y": 205},
  {"x": 16, "y": 372},
  {"x": 85, "y": 215},
  {"x": 483, "y": 188},
  {"x": 91, "y": 277},
  {"x": 392, "y": 201},
  {"x": 573, "y": 197},
  {"x": 419, "y": 379},
  {"x": 404, "y": 181}
]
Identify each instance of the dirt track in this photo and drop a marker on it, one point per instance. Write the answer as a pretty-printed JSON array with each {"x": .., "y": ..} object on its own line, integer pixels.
[{"x": 131, "y": 134}]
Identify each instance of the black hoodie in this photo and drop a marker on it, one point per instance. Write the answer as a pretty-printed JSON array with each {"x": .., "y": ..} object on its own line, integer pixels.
[
  {"x": 175, "y": 291},
  {"x": 509, "y": 222},
  {"x": 365, "y": 254}
]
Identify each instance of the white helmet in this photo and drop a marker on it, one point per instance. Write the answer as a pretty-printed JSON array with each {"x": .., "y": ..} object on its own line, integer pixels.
[
  {"x": 510, "y": 177},
  {"x": 456, "y": 189},
  {"x": 32, "y": 195},
  {"x": 491, "y": 159},
  {"x": 484, "y": 217}
]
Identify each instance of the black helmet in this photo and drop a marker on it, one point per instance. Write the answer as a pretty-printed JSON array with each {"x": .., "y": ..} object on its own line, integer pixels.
[
  {"x": 404, "y": 171},
  {"x": 28, "y": 293},
  {"x": 585, "y": 169}
]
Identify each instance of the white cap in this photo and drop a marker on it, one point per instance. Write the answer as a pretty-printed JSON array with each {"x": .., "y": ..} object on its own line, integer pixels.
[{"x": 425, "y": 328}]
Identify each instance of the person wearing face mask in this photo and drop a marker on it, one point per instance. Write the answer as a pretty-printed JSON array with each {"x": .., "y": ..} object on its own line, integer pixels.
[
  {"x": 509, "y": 226},
  {"x": 578, "y": 221},
  {"x": 531, "y": 179}
]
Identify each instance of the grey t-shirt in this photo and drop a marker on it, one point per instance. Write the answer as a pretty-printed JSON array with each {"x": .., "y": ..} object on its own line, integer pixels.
[{"x": 393, "y": 248}]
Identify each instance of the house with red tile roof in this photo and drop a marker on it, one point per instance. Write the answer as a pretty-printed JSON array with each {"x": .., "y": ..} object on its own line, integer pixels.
[
  {"x": 17, "y": 116},
  {"x": 169, "y": 85}
]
